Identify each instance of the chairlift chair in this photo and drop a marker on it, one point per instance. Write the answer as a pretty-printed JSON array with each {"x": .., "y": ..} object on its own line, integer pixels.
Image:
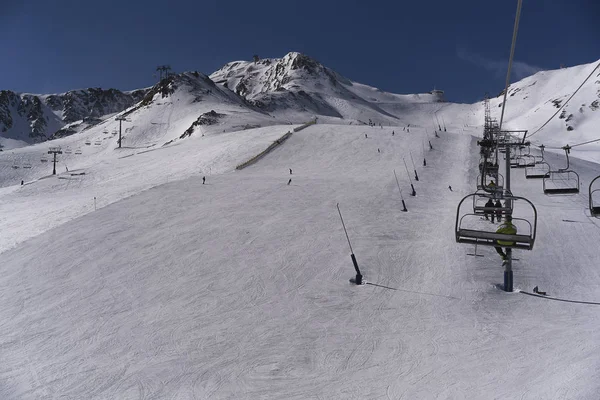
[
  {"x": 27, "y": 165},
  {"x": 97, "y": 143},
  {"x": 88, "y": 143},
  {"x": 485, "y": 183},
  {"x": 594, "y": 193},
  {"x": 68, "y": 150},
  {"x": 562, "y": 181},
  {"x": 468, "y": 227},
  {"x": 78, "y": 151},
  {"x": 44, "y": 158},
  {"x": 537, "y": 171},
  {"x": 525, "y": 161},
  {"x": 481, "y": 198}
]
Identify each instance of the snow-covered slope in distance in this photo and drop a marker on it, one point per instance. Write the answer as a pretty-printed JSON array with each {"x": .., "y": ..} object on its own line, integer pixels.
[
  {"x": 186, "y": 105},
  {"x": 533, "y": 100}
]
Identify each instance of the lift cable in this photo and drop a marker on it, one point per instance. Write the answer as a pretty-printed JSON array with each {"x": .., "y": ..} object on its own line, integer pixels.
[{"x": 565, "y": 103}]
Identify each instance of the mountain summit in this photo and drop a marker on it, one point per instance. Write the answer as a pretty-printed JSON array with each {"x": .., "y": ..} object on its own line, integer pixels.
[{"x": 300, "y": 83}]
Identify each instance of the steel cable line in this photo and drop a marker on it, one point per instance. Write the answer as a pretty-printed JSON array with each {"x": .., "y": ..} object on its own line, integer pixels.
[
  {"x": 565, "y": 103},
  {"x": 510, "y": 59}
]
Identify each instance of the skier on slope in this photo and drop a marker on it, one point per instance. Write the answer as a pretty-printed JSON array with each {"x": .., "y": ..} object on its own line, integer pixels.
[{"x": 507, "y": 228}]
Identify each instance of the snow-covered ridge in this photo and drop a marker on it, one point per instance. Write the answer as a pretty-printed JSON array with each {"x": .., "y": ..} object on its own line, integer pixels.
[
  {"x": 533, "y": 100},
  {"x": 34, "y": 118},
  {"x": 300, "y": 83}
]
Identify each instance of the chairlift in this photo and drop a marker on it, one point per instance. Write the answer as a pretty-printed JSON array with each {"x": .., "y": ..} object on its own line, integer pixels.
[
  {"x": 537, "y": 171},
  {"x": 105, "y": 131},
  {"x": 514, "y": 161},
  {"x": 490, "y": 183},
  {"x": 88, "y": 143},
  {"x": 563, "y": 180},
  {"x": 488, "y": 166},
  {"x": 97, "y": 143},
  {"x": 78, "y": 151},
  {"x": 594, "y": 192},
  {"x": 525, "y": 161},
  {"x": 15, "y": 166},
  {"x": 481, "y": 198},
  {"x": 114, "y": 132},
  {"x": 68, "y": 150},
  {"x": 27, "y": 165},
  {"x": 44, "y": 158},
  {"x": 468, "y": 227}
]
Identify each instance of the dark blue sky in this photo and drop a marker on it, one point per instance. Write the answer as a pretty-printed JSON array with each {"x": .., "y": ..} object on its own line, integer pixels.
[{"x": 460, "y": 46}]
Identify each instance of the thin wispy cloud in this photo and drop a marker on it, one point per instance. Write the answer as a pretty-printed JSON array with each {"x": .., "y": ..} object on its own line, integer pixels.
[{"x": 520, "y": 69}]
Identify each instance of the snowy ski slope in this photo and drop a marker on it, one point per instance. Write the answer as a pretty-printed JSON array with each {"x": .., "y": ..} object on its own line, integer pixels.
[
  {"x": 126, "y": 277},
  {"x": 239, "y": 288}
]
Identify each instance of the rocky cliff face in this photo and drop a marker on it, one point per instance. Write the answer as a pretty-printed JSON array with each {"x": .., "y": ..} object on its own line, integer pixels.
[{"x": 34, "y": 118}]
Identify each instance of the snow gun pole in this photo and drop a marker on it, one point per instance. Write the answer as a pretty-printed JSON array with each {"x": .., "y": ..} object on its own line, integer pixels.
[
  {"x": 430, "y": 146},
  {"x": 358, "y": 279},
  {"x": 438, "y": 121},
  {"x": 413, "y": 193},
  {"x": 444, "y": 122},
  {"x": 402, "y": 197},
  {"x": 424, "y": 160},
  {"x": 414, "y": 168}
]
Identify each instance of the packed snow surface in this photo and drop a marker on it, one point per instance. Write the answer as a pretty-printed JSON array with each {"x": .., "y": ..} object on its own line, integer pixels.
[
  {"x": 128, "y": 277},
  {"x": 238, "y": 288}
]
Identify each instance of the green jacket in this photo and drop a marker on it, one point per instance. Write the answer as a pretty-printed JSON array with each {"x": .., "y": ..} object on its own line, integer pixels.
[{"x": 507, "y": 228}]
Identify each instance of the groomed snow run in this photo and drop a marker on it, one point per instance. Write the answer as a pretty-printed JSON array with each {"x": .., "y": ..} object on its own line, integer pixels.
[{"x": 238, "y": 288}]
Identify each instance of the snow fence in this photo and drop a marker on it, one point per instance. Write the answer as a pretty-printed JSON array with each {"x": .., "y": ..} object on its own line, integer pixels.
[{"x": 274, "y": 144}]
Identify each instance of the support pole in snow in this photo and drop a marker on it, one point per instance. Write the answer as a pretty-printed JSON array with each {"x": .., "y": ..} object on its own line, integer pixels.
[
  {"x": 358, "y": 279},
  {"x": 120, "y": 118},
  {"x": 438, "y": 121},
  {"x": 414, "y": 167},
  {"x": 423, "y": 146},
  {"x": 413, "y": 193},
  {"x": 404, "y": 209},
  {"x": 430, "y": 146},
  {"x": 94, "y": 203},
  {"x": 508, "y": 273},
  {"x": 54, "y": 151}
]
